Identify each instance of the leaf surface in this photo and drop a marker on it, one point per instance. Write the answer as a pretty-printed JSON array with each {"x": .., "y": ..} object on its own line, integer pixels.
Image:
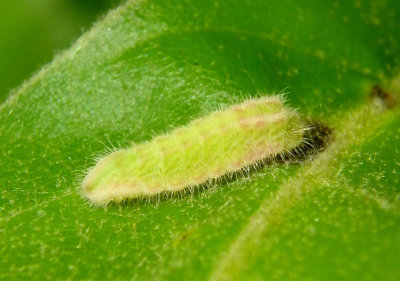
[{"x": 151, "y": 66}]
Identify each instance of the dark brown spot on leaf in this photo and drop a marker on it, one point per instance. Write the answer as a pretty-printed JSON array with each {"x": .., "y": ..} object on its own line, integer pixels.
[{"x": 387, "y": 99}]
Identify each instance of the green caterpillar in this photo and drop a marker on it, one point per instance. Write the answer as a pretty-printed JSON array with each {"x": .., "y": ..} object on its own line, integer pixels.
[{"x": 207, "y": 148}]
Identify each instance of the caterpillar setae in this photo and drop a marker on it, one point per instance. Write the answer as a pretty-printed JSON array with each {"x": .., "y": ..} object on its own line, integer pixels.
[{"x": 207, "y": 148}]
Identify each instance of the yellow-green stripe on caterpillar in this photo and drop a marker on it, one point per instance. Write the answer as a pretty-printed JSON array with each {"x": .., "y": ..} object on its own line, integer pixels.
[{"x": 207, "y": 148}]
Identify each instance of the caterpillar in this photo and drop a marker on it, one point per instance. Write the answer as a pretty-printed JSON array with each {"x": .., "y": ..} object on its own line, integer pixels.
[{"x": 222, "y": 142}]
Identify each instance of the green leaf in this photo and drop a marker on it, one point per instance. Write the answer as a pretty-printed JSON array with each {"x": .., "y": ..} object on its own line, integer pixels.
[{"x": 151, "y": 66}]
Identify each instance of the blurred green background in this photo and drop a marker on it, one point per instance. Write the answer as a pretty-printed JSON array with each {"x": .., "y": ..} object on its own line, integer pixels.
[{"x": 33, "y": 31}]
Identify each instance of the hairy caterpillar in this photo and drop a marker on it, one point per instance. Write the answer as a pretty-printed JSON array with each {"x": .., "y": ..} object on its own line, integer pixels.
[{"x": 207, "y": 148}]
